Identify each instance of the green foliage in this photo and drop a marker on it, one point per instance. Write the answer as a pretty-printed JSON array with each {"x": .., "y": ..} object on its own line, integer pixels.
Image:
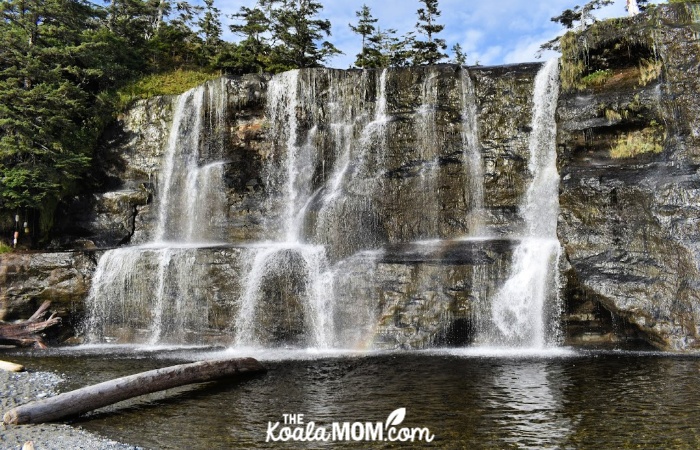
[
  {"x": 55, "y": 60},
  {"x": 296, "y": 28},
  {"x": 635, "y": 143},
  {"x": 428, "y": 51},
  {"x": 169, "y": 83},
  {"x": 62, "y": 63},
  {"x": 597, "y": 78},
  {"x": 460, "y": 58},
  {"x": 684, "y": 1},
  {"x": 279, "y": 35},
  {"x": 4, "y": 248},
  {"x": 368, "y": 56},
  {"x": 251, "y": 55},
  {"x": 210, "y": 26}
]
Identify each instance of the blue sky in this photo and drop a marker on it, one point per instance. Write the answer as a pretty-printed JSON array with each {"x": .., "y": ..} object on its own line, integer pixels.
[{"x": 490, "y": 31}]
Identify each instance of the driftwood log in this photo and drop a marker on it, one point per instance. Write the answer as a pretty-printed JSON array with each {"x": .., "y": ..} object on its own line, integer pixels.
[
  {"x": 28, "y": 332},
  {"x": 11, "y": 367},
  {"x": 103, "y": 394}
]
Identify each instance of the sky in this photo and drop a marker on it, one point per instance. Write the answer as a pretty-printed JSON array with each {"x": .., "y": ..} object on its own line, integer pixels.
[{"x": 490, "y": 32}]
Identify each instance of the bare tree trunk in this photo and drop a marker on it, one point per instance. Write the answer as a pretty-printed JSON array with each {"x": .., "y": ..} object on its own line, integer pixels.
[
  {"x": 11, "y": 367},
  {"x": 632, "y": 7},
  {"x": 161, "y": 14},
  {"x": 28, "y": 332},
  {"x": 96, "y": 396}
]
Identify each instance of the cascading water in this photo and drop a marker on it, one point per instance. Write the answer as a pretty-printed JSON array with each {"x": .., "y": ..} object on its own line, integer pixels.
[
  {"x": 153, "y": 287},
  {"x": 472, "y": 154},
  {"x": 428, "y": 152},
  {"x": 358, "y": 154},
  {"x": 291, "y": 258},
  {"x": 344, "y": 133},
  {"x": 347, "y": 194},
  {"x": 519, "y": 310}
]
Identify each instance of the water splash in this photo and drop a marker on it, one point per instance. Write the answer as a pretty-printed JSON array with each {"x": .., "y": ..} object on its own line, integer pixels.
[
  {"x": 519, "y": 309},
  {"x": 300, "y": 278},
  {"x": 152, "y": 289}
]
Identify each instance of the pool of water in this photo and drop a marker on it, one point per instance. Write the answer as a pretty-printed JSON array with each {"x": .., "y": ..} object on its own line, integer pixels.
[{"x": 476, "y": 399}]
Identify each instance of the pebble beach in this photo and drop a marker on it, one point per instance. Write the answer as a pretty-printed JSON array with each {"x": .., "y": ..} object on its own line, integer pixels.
[{"x": 17, "y": 388}]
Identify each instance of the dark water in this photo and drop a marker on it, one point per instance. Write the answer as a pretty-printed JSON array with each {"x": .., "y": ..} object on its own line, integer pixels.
[{"x": 467, "y": 400}]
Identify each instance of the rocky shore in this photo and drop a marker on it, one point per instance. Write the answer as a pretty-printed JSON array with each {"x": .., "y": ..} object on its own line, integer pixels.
[{"x": 23, "y": 387}]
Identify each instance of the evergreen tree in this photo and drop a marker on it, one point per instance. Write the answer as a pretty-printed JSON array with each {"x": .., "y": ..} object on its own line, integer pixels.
[
  {"x": 210, "y": 30},
  {"x": 365, "y": 28},
  {"x": 579, "y": 16},
  {"x": 54, "y": 60},
  {"x": 460, "y": 58},
  {"x": 253, "y": 52},
  {"x": 428, "y": 51},
  {"x": 296, "y": 29},
  {"x": 402, "y": 50}
]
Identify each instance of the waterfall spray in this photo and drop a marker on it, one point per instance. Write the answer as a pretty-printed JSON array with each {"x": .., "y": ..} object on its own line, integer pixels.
[{"x": 518, "y": 310}]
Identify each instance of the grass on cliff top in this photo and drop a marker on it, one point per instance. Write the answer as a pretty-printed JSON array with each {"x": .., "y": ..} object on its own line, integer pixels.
[
  {"x": 167, "y": 83},
  {"x": 4, "y": 248}
]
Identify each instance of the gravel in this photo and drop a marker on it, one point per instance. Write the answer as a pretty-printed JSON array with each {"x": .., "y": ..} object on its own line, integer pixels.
[{"x": 23, "y": 387}]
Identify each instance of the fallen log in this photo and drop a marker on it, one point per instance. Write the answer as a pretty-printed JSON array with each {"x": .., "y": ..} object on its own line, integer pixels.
[
  {"x": 103, "y": 394},
  {"x": 28, "y": 333},
  {"x": 11, "y": 367}
]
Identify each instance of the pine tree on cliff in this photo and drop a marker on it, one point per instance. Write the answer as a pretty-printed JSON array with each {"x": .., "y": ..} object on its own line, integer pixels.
[
  {"x": 252, "y": 54},
  {"x": 428, "y": 51},
  {"x": 369, "y": 55},
  {"x": 579, "y": 17},
  {"x": 296, "y": 29},
  {"x": 459, "y": 58},
  {"x": 210, "y": 30}
]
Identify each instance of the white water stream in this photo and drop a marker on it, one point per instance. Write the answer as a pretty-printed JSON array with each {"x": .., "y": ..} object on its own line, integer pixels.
[
  {"x": 519, "y": 310},
  {"x": 329, "y": 160},
  {"x": 154, "y": 286}
]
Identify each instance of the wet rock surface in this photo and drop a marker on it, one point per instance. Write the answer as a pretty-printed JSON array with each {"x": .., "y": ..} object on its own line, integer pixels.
[
  {"x": 628, "y": 224},
  {"x": 628, "y": 156},
  {"x": 29, "y": 279}
]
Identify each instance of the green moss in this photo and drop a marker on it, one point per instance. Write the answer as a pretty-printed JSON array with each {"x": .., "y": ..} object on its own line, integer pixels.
[
  {"x": 4, "y": 248},
  {"x": 649, "y": 70},
  {"x": 597, "y": 78},
  {"x": 169, "y": 83},
  {"x": 613, "y": 116},
  {"x": 588, "y": 55},
  {"x": 634, "y": 143}
]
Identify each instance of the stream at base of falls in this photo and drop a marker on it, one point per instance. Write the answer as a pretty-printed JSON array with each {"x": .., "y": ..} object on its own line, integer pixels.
[{"x": 468, "y": 398}]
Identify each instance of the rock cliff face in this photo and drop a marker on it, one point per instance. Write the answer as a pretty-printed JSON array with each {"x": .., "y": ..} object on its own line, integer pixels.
[
  {"x": 628, "y": 156},
  {"x": 27, "y": 280}
]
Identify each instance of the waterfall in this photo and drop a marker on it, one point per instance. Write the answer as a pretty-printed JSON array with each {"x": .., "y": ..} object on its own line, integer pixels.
[
  {"x": 472, "y": 154},
  {"x": 304, "y": 270},
  {"x": 302, "y": 267},
  {"x": 519, "y": 309},
  {"x": 153, "y": 288},
  {"x": 353, "y": 178},
  {"x": 281, "y": 112},
  {"x": 191, "y": 195},
  {"x": 357, "y": 166},
  {"x": 428, "y": 154}
]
